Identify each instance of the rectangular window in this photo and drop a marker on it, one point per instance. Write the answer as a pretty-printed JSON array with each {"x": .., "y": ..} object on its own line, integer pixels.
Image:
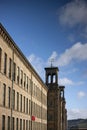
[
  {"x": 18, "y": 74},
  {"x": 3, "y": 122},
  {"x": 17, "y": 124},
  {"x": 5, "y": 63},
  {"x": 0, "y": 58},
  {"x": 17, "y": 101},
  {"x": 9, "y": 96},
  {"x": 14, "y": 71},
  {"x": 21, "y": 77},
  {"x": 10, "y": 67},
  {"x": 24, "y": 80},
  {"x": 4, "y": 94},
  {"x": 23, "y": 124},
  {"x": 26, "y": 124},
  {"x": 24, "y": 103},
  {"x": 20, "y": 124},
  {"x": 27, "y": 105},
  {"x": 13, "y": 99},
  {"x": 29, "y": 124},
  {"x": 30, "y": 84},
  {"x": 21, "y": 103},
  {"x": 8, "y": 122},
  {"x": 27, "y": 83},
  {"x": 13, "y": 125}
]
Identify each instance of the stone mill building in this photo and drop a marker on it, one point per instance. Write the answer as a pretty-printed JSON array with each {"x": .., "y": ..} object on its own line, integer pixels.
[{"x": 26, "y": 102}]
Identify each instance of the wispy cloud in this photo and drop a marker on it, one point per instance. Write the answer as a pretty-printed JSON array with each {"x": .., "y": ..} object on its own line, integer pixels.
[
  {"x": 77, "y": 113},
  {"x": 77, "y": 52},
  {"x": 81, "y": 94},
  {"x": 73, "y": 13},
  {"x": 68, "y": 82},
  {"x": 38, "y": 64}
]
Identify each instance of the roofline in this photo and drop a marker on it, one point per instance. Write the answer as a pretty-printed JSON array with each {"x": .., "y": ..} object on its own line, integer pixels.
[
  {"x": 51, "y": 68},
  {"x": 21, "y": 53}
]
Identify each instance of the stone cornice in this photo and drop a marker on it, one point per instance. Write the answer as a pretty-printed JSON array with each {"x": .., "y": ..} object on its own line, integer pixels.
[{"x": 5, "y": 35}]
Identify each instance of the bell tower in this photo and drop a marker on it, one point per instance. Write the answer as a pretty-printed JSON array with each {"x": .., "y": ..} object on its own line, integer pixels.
[
  {"x": 51, "y": 79},
  {"x": 56, "y": 112},
  {"x": 51, "y": 76}
]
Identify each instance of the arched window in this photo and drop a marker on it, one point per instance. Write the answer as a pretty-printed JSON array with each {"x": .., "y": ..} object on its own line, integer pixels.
[
  {"x": 54, "y": 78},
  {"x": 49, "y": 78}
]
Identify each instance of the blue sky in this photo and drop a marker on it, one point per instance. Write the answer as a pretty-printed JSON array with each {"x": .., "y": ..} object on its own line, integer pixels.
[{"x": 46, "y": 29}]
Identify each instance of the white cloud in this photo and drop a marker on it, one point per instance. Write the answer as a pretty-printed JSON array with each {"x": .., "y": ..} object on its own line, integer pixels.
[
  {"x": 77, "y": 52},
  {"x": 77, "y": 113},
  {"x": 81, "y": 94},
  {"x": 52, "y": 57},
  {"x": 80, "y": 83},
  {"x": 74, "y": 13},
  {"x": 65, "y": 81},
  {"x": 37, "y": 63}
]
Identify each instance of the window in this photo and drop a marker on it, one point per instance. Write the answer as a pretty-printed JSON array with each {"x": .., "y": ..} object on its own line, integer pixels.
[
  {"x": 24, "y": 80},
  {"x": 17, "y": 124},
  {"x": 21, "y": 77},
  {"x": 14, "y": 71},
  {"x": 13, "y": 99},
  {"x": 3, "y": 122},
  {"x": 24, "y": 103},
  {"x": 27, "y": 105},
  {"x": 18, "y": 73},
  {"x": 21, "y": 103},
  {"x": 61, "y": 94},
  {"x": 29, "y": 124},
  {"x": 0, "y": 57},
  {"x": 13, "y": 125},
  {"x": 27, "y": 83},
  {"x": 26, "y": 124},
  {"x": 20, "y": 124},
  {"x": 30, "y": 84},
  {"x": 4, "y": 94},
  {"x": 8, "y": 122},
  {"x": 17, "y": 101},
  {"x": 9, "y": 96},
  {"x": 23, "y": 124},
  {"x": 5, "y": 63},
  {"x": 10, "y": 67},
  {"x": 49, "y": 78},
  {"x": 54, "y": 78}
]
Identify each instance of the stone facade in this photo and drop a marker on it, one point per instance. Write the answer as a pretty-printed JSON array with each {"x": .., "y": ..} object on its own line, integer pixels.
[
  {"x": 23, "y": 95},
  {"x": 26, "y": 102},
  {"x": 56, "y": 111}
]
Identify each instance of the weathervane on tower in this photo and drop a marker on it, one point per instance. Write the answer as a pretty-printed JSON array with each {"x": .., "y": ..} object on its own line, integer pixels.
[{"x": 52, "y": 60}]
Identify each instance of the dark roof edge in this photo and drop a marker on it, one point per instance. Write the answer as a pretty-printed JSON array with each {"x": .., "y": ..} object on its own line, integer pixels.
[{"x": 21, "y": 53}]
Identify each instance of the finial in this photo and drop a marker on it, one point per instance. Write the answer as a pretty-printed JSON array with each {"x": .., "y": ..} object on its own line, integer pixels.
[{"x": 52, "y": 60}]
